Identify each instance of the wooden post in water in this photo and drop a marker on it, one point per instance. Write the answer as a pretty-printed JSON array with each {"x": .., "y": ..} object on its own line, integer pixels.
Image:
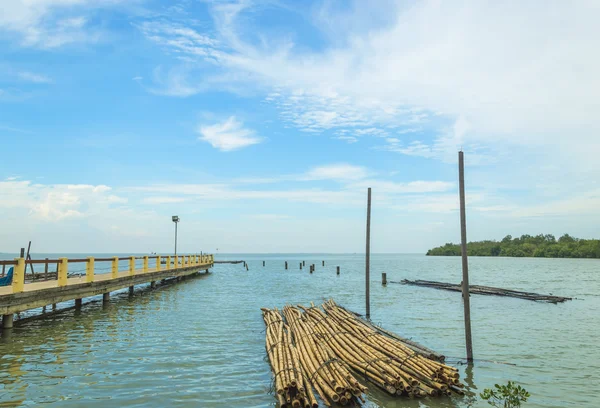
[
  {"x": 368, "y": 254},
  {"x": 323, "y": 263},
  {"x": 303, "y": 263},
  {"x": 263, "y": 263},
  {"x": 465, "y": 263},
  {"x": 384, "y": 279},
  {"x": 300, "y": 265},
  {"x": 285, "y": 264},
  {"x": 338, "y": 270}
]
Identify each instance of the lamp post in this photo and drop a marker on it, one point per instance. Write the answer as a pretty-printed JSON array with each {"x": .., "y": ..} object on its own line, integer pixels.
[{"x": 175, "y": 219}]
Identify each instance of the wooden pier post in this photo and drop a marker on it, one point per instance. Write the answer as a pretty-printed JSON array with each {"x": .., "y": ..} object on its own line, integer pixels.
[
  {"x": 63, "y": 272},
  {"x": 323, "y": 263},
  {"x": 18, "y": 283},
  {"x": 384, "y": 279},
  {"x": 263, "y": 263},
  {"x": 78, "y": 303},
  {"x": 338, "y": 270},
  {"x": 152, "y": 284},
  {"x": 300, "y": 265},
  {"x": 7, "y": 321},
  {"x": 131, "y": 289},
  {"x": 368, "y": 254},
  {"x": 303, "y": 263},
  {"x": 89, "y": 269},
  {"x": 465, "y": 263},
  {"x": 105, "y": 298},
  {"x": 114, "y": 272},
  {"x": 311, "y": 268},
  {"x": 285, "y": 264}
]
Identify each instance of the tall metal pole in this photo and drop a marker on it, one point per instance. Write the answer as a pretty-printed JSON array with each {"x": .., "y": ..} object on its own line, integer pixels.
[
  {"x": 368, "y": 253},
  {"x": 175, "y": 239},
  {"x": 465, "y": 263}
]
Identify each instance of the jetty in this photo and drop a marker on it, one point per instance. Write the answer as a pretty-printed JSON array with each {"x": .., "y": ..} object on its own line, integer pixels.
[
  {"x": 487, "y": 290},
  {"x": 99, "y": 276}
]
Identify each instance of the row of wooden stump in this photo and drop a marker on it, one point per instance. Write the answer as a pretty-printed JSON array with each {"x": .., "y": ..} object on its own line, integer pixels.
[{"x": 329, "y": 349}]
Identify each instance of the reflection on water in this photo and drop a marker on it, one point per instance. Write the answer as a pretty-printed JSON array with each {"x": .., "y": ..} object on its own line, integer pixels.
[{"x": 201, "y": 342}]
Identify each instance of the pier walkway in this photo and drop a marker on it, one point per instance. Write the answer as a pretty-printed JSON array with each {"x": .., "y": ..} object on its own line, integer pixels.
[{"x": 117, "y": 273}]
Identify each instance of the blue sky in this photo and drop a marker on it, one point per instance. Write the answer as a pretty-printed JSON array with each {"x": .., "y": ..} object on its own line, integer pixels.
[{"x": 262, "y": 123}]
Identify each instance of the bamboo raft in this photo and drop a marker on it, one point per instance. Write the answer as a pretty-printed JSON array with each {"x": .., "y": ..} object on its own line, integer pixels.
[
  {"x": 330, "y": 349},
  {"x": 487, "y": 290}
]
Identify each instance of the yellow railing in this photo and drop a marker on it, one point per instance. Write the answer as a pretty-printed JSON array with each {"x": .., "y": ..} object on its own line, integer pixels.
[{"x": 62, "y": 270}]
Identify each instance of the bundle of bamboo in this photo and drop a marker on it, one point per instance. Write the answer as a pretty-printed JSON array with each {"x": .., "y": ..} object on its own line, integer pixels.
[
  {"x": 328, "y": 375},
  {"x": 290, "y": 386},
  {"x": 415, "y": 373},
  {"x": 328, "y": 341}
]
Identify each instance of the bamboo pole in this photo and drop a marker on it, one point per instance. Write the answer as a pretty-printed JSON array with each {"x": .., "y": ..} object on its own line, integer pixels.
[{"x": 465, "y": 262}]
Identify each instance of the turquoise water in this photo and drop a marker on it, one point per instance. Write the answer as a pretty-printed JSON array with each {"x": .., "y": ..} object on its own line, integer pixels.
[{"x": 200, "y": 343}]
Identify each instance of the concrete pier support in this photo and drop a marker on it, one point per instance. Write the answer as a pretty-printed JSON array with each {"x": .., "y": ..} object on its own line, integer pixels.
[{"x": 7, "y": 321}]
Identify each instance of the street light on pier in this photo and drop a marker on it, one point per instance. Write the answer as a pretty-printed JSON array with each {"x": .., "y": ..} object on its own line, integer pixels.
[{"x": 175, "y": 219}]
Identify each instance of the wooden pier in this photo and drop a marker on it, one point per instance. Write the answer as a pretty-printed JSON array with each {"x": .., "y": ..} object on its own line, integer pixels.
[{"x": 119, "y": 273}]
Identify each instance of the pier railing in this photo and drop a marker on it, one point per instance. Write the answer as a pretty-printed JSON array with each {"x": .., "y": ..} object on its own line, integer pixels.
[{"x": 112, "y": 268}]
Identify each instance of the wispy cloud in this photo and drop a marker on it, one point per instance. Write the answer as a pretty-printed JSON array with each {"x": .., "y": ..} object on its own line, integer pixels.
[
  {"x": 35, "y": 78},
  {"x": 228, "y": 135},
  {"x": 52, "y": 23},
  {"x": 163, "y": 200},
  {"x": 342, "y": 171}
]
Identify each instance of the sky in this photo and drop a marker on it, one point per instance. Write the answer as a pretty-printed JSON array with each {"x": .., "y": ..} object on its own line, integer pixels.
[{"x": 262, "y": 123}]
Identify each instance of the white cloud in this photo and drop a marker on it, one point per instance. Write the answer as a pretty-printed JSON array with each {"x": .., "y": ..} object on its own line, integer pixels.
[
  {"x": 228, "y": 135},
  {"x": 340, "y": 171},
  {"x": 35, "y": 78},
  {"x": 163, "y": 200},
  {"x": 50, "y": 203},
  {"x": 404, "y": 188},
  {"x": 51, "y": 23},
  {"x": 517, "y": 74}
]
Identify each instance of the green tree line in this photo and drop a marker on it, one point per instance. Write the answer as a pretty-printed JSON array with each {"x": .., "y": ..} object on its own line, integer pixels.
[{"x": 542, "y": 246}]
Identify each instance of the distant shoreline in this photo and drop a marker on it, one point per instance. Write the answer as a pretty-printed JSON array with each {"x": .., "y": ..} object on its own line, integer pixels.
[{"x": 526, "y": 246}]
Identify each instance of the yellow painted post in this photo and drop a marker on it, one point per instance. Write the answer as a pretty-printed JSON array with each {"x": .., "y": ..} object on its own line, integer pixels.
[
  {"x": 18, "y": 282},
  {"x": 63, "y": 270},
  {"x": 146, "y": 263},
  {"x": 132, "y": 266},
  {"x": 89, "y": 269},
  {"x": 176, "y": 261},
  {"x": 158, "y": 263},
  {"x": 168, "y": 262},
  {"x": 115, "y": 268}
]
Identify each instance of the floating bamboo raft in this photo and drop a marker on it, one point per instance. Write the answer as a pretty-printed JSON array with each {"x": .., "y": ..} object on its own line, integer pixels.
[
  {"x": 486, "y": 290},
  {"x": 330, "y": 349}
]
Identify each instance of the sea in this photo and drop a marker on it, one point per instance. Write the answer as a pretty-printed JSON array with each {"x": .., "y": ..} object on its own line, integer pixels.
[{"x": 201, "y": 342}]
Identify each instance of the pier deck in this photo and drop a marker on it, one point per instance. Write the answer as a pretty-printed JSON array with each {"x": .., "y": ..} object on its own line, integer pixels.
[{"x": 21, "y": 296}]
